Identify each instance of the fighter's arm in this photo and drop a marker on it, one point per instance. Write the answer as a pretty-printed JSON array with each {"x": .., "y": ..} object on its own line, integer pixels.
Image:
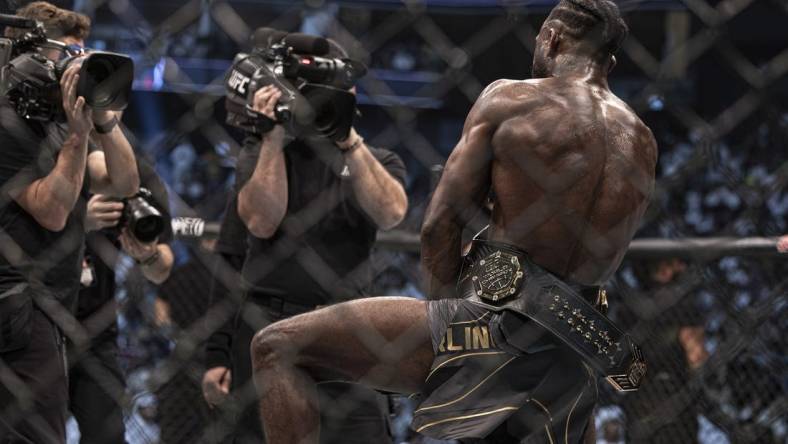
[
  {"x": 381, "y": 196},
  {"x": 112, "y": 171},
  {"x": 262, "y": 201},
  {"x": 460, "y": 193}
]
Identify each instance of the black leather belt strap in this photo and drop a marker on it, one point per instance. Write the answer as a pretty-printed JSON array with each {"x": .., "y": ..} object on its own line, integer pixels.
[{"x": 503, "y": 277}]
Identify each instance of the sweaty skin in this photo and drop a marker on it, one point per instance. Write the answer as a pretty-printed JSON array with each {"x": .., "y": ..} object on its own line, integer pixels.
[{"x": 570, "y": 167}]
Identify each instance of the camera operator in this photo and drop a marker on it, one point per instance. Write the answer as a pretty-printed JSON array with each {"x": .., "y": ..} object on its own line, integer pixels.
[
  {"x": 45, "y": 171},
  {"x": 96, "y": 383},
  {"x": 313, "y": 207}
]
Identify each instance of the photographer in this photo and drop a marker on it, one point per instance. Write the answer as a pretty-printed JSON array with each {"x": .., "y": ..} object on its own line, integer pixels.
[
  {"x": 96, "y": 383},
  {"x": 313, "y": 207},
  {"x": 45, "y": 172}
]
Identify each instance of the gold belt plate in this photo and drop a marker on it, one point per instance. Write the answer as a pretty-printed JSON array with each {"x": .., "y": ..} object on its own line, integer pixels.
[{"x": 497, "y": 276}]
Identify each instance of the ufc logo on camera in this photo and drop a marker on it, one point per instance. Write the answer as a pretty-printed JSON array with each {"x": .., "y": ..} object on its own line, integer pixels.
[{"x": 238, "y": 82}]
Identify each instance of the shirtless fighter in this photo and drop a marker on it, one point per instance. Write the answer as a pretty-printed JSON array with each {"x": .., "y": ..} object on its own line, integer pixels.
[{"x": 510, "y": 345}]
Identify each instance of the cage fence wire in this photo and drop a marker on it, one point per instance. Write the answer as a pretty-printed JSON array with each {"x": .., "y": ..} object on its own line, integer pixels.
[{"x": 708, "y": 77}]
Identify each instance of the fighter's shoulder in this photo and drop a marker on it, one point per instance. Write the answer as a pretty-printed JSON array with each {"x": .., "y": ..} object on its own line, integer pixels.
[
  {"x": 644, "y": 136},
  {"x": 509, "y": 89},
  {"x": 504, "y": 96},
  {"x": 637, "y": 122},
  {"x": 648, "y": 141}
]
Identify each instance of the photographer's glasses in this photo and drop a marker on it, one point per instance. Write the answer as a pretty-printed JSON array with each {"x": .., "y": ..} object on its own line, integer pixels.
[{"x": 74, "y": 50}]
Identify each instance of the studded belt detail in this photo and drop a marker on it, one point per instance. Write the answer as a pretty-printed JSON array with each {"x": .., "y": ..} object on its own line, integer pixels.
[{"x": 503, "y": 277}]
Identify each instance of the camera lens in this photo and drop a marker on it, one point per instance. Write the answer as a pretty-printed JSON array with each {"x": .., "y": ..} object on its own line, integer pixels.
[
  {"x": 331, "y": 110},
  {"x": 148, "y": 228},
  {"x": 143, "y": 219},
  {"x": 104, "y": 79},
  {"x": 99, "y": 71},
  {"x": 326, "y": 117}
]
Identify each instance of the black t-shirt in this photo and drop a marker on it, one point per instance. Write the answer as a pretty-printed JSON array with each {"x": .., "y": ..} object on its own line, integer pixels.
[
  {"x": 233, "y": 232},
  {"x": 322, "y": 258},
  {"x": 103, "y": 247},
  {"x": 31, "y": 253}
]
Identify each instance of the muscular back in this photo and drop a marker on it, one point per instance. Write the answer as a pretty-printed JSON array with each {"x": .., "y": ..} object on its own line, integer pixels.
[
  {"x": 570, "y": 168},
  {"x": 572, "y": 171}
]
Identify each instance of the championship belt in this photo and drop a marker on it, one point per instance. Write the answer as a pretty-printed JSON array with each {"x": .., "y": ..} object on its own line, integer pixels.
[
  {"x": 497, "y": 276},
  {"x": 607, "y": 349},
  {"x": 496, "y": 280}
]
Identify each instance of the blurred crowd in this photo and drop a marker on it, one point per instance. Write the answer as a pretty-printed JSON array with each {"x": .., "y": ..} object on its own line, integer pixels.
[{"x": 712, "y": 330}]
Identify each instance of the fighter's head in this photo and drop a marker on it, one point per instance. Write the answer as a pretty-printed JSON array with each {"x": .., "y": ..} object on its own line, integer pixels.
[
  {"x": 588, "y": 28},
  {"x": 69, "y": 27}
]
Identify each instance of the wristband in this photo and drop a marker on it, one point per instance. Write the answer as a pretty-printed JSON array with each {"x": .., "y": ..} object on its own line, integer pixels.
[
  {"x": 106, "y": 128},
  {"x": 150, "y": 260},
  {"x": 359, "y": 141}
]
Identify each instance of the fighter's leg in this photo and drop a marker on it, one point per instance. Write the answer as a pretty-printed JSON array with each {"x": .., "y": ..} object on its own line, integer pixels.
[{"x": 380, "y": 342}]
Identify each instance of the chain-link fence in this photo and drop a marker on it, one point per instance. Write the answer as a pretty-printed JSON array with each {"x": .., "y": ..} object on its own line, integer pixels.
[{"x": 708, "y": 77}]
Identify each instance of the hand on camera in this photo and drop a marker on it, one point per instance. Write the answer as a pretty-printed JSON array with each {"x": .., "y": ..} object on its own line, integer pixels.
[
  {"x": 78, "y": 114},
  {"x": 138, "y": 250},
  {"x": 103, "y": 211},
  {"x": 101, "y": 117},
  {"x": 264, "y": 103},
  {"x": 216, "y": 385}
]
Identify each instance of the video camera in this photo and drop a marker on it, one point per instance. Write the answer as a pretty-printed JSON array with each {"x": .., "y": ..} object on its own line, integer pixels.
[
  {"x": 31, "y": 81},
  {"x": 315, "y": 88}
]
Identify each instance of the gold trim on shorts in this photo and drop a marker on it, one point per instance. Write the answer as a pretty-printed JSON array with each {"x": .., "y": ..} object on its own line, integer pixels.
[
  {"x": 471, "y": 322},
  {"x": 429, "y": 407},
  {"x": 569, "y": 417},
  {"x": 475, "y": 415},
  {"x": 462, "y": 356}
]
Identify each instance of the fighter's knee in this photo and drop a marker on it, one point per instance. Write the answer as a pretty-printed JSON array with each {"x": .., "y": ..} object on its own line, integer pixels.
[{"x": 270, "y": 346}]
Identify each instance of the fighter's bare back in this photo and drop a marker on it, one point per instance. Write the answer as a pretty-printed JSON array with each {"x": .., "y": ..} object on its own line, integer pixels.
[
  {"x": 572, "y": 173},
  {"x": 570, "y": 170}
]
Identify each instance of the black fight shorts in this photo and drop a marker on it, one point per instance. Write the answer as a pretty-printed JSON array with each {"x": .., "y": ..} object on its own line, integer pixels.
[{"x": 497, "y": 377}]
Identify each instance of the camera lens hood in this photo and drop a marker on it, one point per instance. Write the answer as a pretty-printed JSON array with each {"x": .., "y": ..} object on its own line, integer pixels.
[{"x": 105, "y": 79}]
